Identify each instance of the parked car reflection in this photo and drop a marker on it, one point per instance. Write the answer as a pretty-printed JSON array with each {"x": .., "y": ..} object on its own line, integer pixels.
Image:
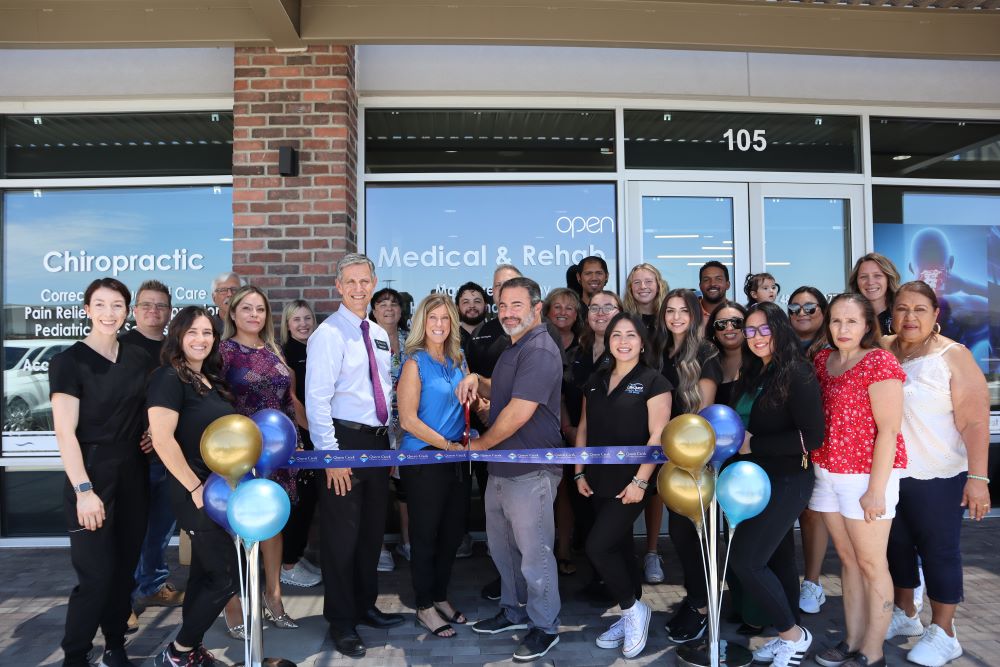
[{"x": 26, "y": 383}]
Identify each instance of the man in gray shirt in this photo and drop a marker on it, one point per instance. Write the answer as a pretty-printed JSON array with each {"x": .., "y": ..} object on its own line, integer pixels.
[{"x": 524, "y": 394}]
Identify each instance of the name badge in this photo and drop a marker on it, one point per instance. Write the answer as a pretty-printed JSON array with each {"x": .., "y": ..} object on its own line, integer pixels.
[{"x": 381, "y": 344}]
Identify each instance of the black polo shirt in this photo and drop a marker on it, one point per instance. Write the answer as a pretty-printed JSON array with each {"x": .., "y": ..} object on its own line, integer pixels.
[
  {"x": 581, "y": 367},
  {"x": 619, "y": 418},
  {"x": 530, "y": 369}
]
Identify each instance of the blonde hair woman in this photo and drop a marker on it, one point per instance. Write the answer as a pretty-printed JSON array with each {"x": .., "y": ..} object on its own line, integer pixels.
[
  {"x": 438, "y": 495},
  {"x": 645, "y": 290}
]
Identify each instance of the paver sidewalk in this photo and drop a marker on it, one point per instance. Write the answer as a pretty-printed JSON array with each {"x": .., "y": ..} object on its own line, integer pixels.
[{"x": 36, "y": 583}]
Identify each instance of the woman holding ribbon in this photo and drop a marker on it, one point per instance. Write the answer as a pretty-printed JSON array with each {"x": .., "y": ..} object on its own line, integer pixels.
[
  {"x": 432, "y": 418},
  {"x": 185, "y": 396},
  {"x": 946, "y": 427},
  {"x": 639, "y": 398}
]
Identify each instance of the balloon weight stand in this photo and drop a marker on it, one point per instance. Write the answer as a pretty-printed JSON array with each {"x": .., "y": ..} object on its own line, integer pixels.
[
  {"x": 253, "y": 616},
  {"x": 730, "y": 655}
]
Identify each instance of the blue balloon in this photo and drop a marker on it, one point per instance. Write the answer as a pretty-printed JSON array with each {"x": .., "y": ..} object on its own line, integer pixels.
[
  {"x": 258, "y": 510},
  {"x": 743, "y": 491},
  {"x": 729, "y": 431},
  {"x": 216, "y": 497},
  {"x": 279, "y": 436}
]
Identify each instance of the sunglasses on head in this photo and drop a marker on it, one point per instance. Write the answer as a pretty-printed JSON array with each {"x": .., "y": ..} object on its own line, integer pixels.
[
  {"x": 807, "y": 308},
  {"x": 722, "y": 325},
  {"x": 763, "y": 330}
]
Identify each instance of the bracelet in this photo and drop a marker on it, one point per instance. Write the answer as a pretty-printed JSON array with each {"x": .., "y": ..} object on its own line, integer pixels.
[
  {"x": 578, "y": 476},
  {"x": 980, "y": 478},
  {"x": 200, "y": 484},
  {"x": 642, "y": 484}
]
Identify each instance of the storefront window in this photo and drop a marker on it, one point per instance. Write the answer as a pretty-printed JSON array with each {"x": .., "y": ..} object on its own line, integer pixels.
[
  {"x": 433, "y": 238},
  {"x": 950, "y": 239},
  {"x": 57, "y": 241},
  {"x": 935, "y": 148}
]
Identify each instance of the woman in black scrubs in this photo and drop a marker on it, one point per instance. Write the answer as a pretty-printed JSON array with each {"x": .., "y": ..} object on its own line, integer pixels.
[
  {"x": 98, "y": 391},
  {"x": 691, "y": 365},
  {"x": 187, "y": 394},
  {"x": 639, "y": 399}
]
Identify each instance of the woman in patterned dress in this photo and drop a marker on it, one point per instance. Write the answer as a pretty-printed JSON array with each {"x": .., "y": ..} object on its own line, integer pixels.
[{"x": 256, "y": 372}]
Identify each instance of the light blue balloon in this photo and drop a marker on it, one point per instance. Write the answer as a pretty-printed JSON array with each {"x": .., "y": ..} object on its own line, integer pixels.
[
  {"x": 728, "y": 429},
  {"x": 743, "y": 491},
  {"x": 258, "y": 510}
]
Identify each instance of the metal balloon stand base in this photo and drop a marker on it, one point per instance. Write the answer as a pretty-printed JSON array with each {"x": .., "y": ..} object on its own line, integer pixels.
[
  {"x": 730, "y": 655},
  {"x": 253, "y": 616}
]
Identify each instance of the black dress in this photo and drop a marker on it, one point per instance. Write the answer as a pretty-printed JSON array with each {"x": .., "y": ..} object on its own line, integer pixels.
[{"x": 111, "y": 395}]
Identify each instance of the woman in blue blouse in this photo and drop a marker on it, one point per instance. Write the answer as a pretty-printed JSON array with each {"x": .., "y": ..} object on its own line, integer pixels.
[{"x": 432, "y": 417}]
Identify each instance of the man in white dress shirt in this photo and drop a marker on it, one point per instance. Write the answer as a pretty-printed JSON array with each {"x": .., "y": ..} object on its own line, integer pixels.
[{"x": 347, "y": 397}]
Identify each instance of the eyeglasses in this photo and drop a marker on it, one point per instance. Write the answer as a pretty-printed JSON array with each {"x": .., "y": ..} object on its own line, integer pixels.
[
  {"x": 226, "y": 290},
  {"x": 721, "y": 325},
  {"x": 807, "y": 308},
  {"x": 602, "y": 310},
  {"x": 149, "y": 305},
  {"x": 763, "y": 330}
]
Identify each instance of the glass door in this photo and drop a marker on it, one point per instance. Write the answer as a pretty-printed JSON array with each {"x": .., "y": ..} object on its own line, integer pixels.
[
  {"x": 677, "y": 227},
  {"x": 806, "y": 234}
]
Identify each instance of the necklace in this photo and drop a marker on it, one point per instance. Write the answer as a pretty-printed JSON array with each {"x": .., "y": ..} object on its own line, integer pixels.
[{"x": 919, "y": 351}]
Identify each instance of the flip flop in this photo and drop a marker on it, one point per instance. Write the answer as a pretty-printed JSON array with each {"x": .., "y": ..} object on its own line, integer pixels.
[{"x": 458, "y": 617}]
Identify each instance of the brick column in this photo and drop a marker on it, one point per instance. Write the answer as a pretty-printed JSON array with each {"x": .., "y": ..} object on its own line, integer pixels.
[{"x": 289, "y": 231}]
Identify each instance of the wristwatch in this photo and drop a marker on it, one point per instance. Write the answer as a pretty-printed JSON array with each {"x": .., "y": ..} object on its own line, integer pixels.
[{"x": 83, "y": 487}]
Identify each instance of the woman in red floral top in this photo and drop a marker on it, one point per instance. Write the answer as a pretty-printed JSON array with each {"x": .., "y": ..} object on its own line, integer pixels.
[{"x": 857, "y": 472}]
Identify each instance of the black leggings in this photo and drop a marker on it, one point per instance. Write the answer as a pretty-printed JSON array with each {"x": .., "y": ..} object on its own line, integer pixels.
[
  {"x": 766, "y": 571},
  {"x": 105, "y": 559},
  {"x": 611, "y": 550},
  {"x": 211, "y": 581},
  {"x": 295, "y": 534},
  {"x": 685, "y": 538},
  {"x": 438, "y": 498}
]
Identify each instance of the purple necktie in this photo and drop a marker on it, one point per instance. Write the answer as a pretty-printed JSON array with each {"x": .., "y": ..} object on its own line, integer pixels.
[{"x": 380, "y": 410}]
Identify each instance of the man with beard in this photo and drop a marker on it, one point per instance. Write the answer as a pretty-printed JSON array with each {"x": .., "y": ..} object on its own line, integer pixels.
[
  {"x": 713, "y": 281},
  {"x": 524, "y": 395},
  {"x": 471, "y": 302},
  {"x": 593, "y": 276}
]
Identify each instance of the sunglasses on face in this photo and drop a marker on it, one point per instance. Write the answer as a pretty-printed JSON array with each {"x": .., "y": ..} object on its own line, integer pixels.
[
  {"x": 722, "y": 325},
  {"x": 807, "y": 308},
  {"x": 763, "y": 330}
]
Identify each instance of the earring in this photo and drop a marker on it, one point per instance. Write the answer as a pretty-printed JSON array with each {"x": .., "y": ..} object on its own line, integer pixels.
[{"x": 936, "y": 329}]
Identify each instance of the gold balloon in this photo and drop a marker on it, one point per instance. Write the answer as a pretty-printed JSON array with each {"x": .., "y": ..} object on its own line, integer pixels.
[
  {"x": 230, "y": 446},
  {"x": 688, "y": 441},
  {"x": 679, "y": 490}
]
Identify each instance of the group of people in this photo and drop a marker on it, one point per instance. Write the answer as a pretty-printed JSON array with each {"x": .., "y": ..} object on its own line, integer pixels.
[{"x": 871, "y": 426}]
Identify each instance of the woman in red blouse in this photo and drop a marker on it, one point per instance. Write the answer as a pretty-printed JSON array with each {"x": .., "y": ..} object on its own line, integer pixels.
[{"x": 857, "y": 472}]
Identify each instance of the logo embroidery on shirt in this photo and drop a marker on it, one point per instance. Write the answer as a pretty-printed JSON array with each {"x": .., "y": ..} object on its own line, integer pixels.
[{"x": 634, "y": 388}]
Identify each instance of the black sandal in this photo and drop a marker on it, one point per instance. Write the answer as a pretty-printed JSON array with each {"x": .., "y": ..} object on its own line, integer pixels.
[
  {"x": 458, "y": 617},
  {"x": 437, "y": 632}
]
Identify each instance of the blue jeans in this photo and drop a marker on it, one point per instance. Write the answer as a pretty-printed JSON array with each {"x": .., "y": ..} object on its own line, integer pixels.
[
  {"x": 151, "y": 573},
  {"x": 520, "y": 527}
]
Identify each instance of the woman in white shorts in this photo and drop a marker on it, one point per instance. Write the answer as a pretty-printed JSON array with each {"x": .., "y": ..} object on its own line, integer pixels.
[{"x": 857, "y": 472}]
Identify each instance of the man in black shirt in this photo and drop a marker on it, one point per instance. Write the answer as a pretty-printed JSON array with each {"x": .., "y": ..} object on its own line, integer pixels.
[
  {"x": 152, "y": 312},
  {"x": 471, "y": 302},
  {"x": 592, "y": 276}
]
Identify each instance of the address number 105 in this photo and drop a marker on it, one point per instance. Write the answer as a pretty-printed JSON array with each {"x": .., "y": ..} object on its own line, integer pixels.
[{"x": 743, "y": 140}]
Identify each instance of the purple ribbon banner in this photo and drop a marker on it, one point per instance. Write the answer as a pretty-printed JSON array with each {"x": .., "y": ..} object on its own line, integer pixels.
[{"x": 633, "y": 455}]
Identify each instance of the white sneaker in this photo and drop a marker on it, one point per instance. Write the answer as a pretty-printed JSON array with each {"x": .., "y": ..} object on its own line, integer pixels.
[
  {"x": 811, "y": 597},
  {"x": 300, "y": 576},
  {"x": 315, "y": 569},
  {"x": 918, "y": 592},
  {"x": 653, "y": 568},
  {"x": 385, "y": 562},
  {"x": 781, "y": 653},
  {"x": 403, "y": 550},
  {"x": 935, "y": 648},
  {"x": 465, "y": 548},
  {"x": 636, "y": 629},
  {"x": 903, "y": 625},
  {"x": 614, "y": 636}
]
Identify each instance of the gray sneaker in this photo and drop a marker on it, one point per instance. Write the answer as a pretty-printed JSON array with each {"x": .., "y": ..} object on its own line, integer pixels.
[
  {"x": 385, "y": 562},
  {"x": 653, "y": 568}
]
